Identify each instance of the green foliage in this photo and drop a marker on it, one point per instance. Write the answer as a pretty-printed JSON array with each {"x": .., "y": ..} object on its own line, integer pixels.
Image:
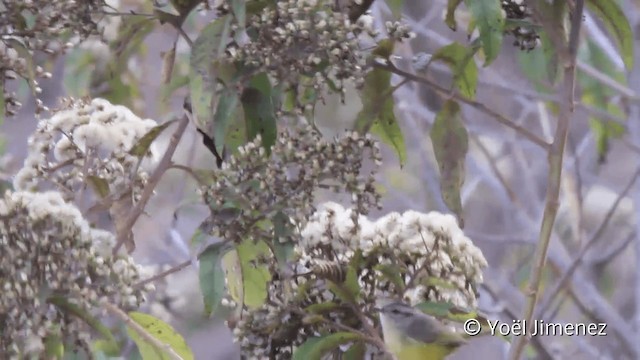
[
  {"x": 450, "y": 15},
  {"x": 314, "y": 348},
  {"x": 600, "y": 97},
  {"x": 450, "y": 145},
  {"x": 161, "y": 331},
  {"x": 211, "y": 276},
  {"x": 464, "y": 69},
  {"x": 246, "y": 275},
  {"x": 489, "y": 18},
  {"x": 203, "y": 74},
  {"x": 541, "y": 65},
  {"x": 259, "y": 111},
  {"x": 141, "y": 148},
  {"x": 615, "y": 20},
  {"x": 377, "y": 116}
]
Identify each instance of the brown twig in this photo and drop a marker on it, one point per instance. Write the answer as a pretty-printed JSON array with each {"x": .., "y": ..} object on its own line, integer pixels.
[
  {"x": 475, "y": 104},
  {"x": 162, "y": 167},
  {"x": 556, "y": 157},
  {"x": 166, "y": 348}
]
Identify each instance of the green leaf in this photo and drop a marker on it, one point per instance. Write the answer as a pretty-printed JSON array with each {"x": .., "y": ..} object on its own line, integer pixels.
[
  {"x": 450, "y": 16},
  {"x": 314, "y": 348},
  {"x": 77, "y": 311},
  {"x": 489, "y": 18},
  {"x": 259, "y": 112},
  {"x": 391, "y": 273},
  {"x": 211, "y": 276},
  {"x": 239, "y": 11},
  {"x": 618, "y": 25},
  {"x": 131, "y": 37},
  {"x": 53, "y": 347},
  {"x": 450, "y": 145},
  {"x": 203, "y": 73},
  {"x": 99, "y": 185},
  {"x": 598, "y": 96},
  {"x": 541, "y": 65},
  {"x": 141, "y": 148},
  {"x": 357, "y": 351},
  {"x": 282, "y": 248},
  {"x": 225, "y": 114},
  {"x": 464, "y": 69},
  {"x": 321, "y": 308},
  {"x": 162, "y": 332},
  {"x": 247, "y": 276},
  {"x": 377, "y": 115}
]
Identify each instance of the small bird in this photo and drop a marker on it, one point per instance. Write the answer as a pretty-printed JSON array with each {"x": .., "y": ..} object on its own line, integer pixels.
[{"x": 410, "y": 334}]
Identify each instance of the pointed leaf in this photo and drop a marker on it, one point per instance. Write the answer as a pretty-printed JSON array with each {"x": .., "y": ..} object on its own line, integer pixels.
[
  {"x": 99, "y": 185},
  {"x": 377, "y": 116},
  {"x": 450, "y": 145},
  {"x": 141, "y": 148},
  {"x": 488, "y": 16},
  {"x": 450, "y": 15},
  {"x": 618, "y": 25},
  {"x": 162, "y": 332},
  {"x": 211, "y": 275},
  {"x": 314, "y": 348},
  {"x": 464, "y": 69}
]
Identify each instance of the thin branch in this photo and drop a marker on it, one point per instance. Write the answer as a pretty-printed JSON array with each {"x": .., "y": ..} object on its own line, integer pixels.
[
  {"x": 477, "y": 105},
  {"x": 162, "y": 167},
  {"x": 556, "y": 157},
  {"x": 594, "y": 238},
  {"x": 166, "y": 348},
  {"x": 608, "y": 81},
  {"x": 494, "y": 167},
  {"x": 163, "y": 274}
]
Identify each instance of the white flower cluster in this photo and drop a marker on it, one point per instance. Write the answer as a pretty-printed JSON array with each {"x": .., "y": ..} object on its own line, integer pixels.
[
  {"x": 438, "y": 262},
  {"x": 49, "y": 254},
  {"x": 87, "y": 140}
]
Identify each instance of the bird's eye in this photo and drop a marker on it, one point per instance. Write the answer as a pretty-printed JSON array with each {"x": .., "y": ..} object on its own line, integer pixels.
[{"x": 395, "y": 311}]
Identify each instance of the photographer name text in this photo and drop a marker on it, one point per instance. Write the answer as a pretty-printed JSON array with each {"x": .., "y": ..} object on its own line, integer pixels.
[{"x": 534, "y": 328}]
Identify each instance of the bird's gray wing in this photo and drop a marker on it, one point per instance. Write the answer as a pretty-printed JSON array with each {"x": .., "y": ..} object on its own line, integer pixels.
[{"x": 426, "y": 329}]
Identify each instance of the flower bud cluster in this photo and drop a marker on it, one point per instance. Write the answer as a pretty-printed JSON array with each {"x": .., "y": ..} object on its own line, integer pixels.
[
  {"x": 49, "y": 254},
  {"x": 87, "y": 144},
  {"x": 27, "y": 27},
  {"x": 304, "y": 43},
  {"x": 254, "y": 188},
  {"x": 421, "y": 247},
  {"x": 412, "y": 256},
  {"x": 525, "y": 38}
]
